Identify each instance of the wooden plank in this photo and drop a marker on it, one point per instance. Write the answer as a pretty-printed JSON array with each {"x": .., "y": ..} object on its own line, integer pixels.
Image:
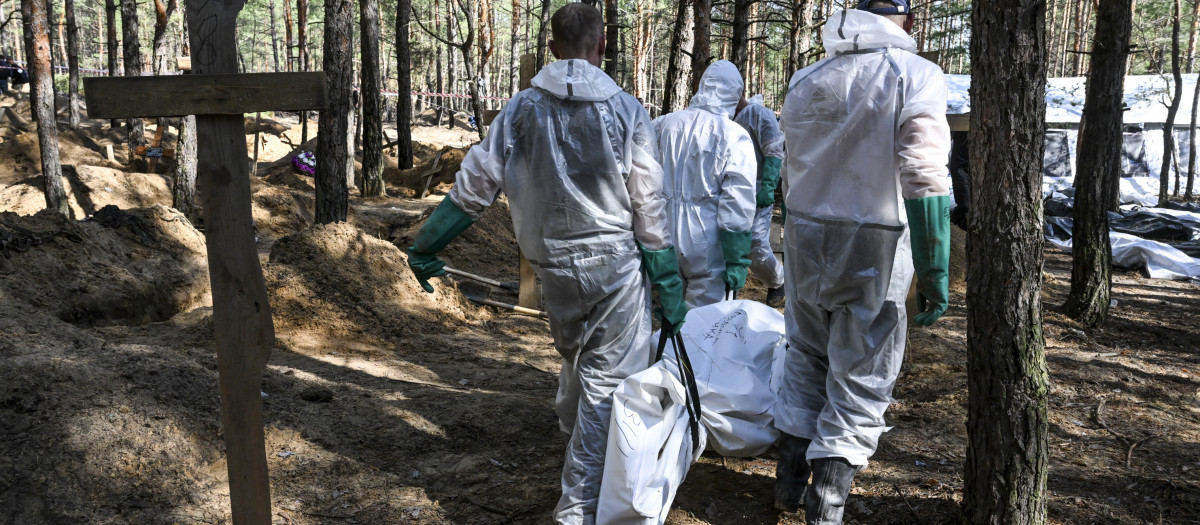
[
  {"x": 242, "y": 323},
  {"x": 961, "y": 122},
  {"x": 529, "y": 294},
  {"x": 218, "y": 94}
]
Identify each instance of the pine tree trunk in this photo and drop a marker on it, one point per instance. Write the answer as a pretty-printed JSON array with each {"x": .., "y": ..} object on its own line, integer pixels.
[
  {"x": 476, "y": 104},
  {"x": 701, "y": 42},
  {"x": 184, "y": 192},
  {"x": 39, "y": 27},
  {"x": 72, "y": 65},
  {"x": 1007, "y": 458},
  {"x": 133, "y": 67},
  {"x": 110, "y": 17},
  {"x": 332, "y": 195},
  {"x": 612, "y": 34},
  {"x": 543, "y": 28},
  {"x": 450, "y": 70},
  {"x": 1099, "y": 157},
  {"x": 302, "y": 55},
  {"x": 740, "y": 40},
  {"x": 30, "y": 55},
  {"x": 403, "y": 86},
  {"x": 162, "y": 17},
  {"x": 372, "y": 119},
  {"x": 274, "y": 38},
  {"x": 1191, "y": 49},
  {"x": 1164, "y": 180},
  {"x": 287, "y": 35},
  {"x": 674, "y": 58}
]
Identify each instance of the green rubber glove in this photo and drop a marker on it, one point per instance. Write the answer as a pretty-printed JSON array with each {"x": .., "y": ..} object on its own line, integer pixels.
[
  {"x": 736, "y": 248},
  {"x": 768, "y": 182},
  {"x": 929, "y": 226},
  {"x": 442, "y": 226},
  {"x": 663, "y": 268}
]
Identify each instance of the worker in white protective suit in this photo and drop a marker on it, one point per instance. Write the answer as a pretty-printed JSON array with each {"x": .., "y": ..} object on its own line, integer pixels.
[
  {"x": 866, "y": 178},
  {"x": 576, "y": 157},
  {"x": 763, "y": 127},
  {"x": 708, "y": 182}
]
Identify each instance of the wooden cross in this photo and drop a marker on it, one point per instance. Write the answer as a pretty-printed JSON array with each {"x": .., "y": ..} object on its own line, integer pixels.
[{"x": 241, "y": 312}]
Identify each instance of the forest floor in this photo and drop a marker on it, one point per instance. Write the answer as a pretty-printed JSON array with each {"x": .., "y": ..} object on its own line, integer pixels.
[{"x": 384, "y": 404}]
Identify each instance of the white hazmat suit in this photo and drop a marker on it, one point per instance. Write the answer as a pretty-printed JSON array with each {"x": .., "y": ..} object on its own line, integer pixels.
[
  {"x": 576, "y": 157},
  {"x": 865, "y": 130},
  {"x": 762, "y": 125},
  {"x": 708, "y": 180}
]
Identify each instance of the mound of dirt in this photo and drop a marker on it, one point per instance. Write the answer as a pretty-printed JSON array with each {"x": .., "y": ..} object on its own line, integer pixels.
[
  {"x": 89, "y": 188},
  {"x": 487, "y": 248},
  {"x": 335, "y": 280},
  {"x": 122, "y": 267},
  {"x": 413, "y": 178}
]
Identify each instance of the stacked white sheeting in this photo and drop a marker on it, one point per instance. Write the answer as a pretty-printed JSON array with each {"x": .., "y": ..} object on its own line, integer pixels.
[
  {"x": 733, "y": 347},
  {"x": 1162, "y": 261}
]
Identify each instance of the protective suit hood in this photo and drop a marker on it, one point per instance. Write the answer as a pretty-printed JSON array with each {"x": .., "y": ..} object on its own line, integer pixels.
[
  {"x": 720, "y": 89},
  {"x": 852, "y": 30},
  {"x": 576, "y": 79}
]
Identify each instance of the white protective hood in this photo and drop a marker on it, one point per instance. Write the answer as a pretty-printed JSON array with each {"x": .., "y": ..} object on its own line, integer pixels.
[
  {"x": 720, "y": 89},
  {"x": 576, "y": 79},
  {"x": 852, "y": 30}
]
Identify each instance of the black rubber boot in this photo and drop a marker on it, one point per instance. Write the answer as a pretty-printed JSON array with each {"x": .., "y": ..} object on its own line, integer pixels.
[
  {"x": 791, "y": 473},
  {"x": 830, "y": 488},
  {"x": 775, "y": 297}
]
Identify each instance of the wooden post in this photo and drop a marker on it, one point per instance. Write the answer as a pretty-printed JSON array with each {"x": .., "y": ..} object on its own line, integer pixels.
[
  {"x": 529, "y": 295},
  {"x": 241, "y": 310}
]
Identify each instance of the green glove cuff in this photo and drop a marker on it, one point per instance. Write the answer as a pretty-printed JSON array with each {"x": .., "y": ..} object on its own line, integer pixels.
[
  {"x": 662, "y": 266},
  {"x": 929, "y": 228},
  {"x": 768, "y": 181},
  {"x": 442, "y": 226},
  {"x": 445, "y": 223},
  {"x": 735, "y": 246}
]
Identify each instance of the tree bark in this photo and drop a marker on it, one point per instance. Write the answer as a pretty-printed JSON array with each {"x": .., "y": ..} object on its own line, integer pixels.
[
  {"x": 739, "y": 47},
  {"x": 372, "y": 118},
  {"x": 1099, "y": 156},
  {"x": 1191, "y": 49},
  {"x": 302, "y": 54},
  {"x": 451, "y": 22},
  {"x": 287, "y": 35},
  {"x": 274, "y": 38},
  {"x": 30, "y": 55},
  {"x": 184, "y": 192},
  {"x": 403, "y": 86},
  {"x": 1164, "y": 179},
  {"x": 674, "y": 58},
  {"x": 72, "y": 65},
  {"x": 133, "y": 67},
  {"x": 1007, "y": 458},
  {"x": 612, "y": 35},
  {"x": 701, "y": 42},
  {"x": 110, "y": 12},
  {"x": 332, "y": 195},
  {"x": 543, "y": 28},
  {"x": 162, "y": 16},
  {"x": 39, "y": 27}
]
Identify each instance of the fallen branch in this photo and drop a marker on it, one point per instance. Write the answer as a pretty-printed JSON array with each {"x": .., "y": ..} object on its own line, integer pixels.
[{"x": 1130, "y": 444}]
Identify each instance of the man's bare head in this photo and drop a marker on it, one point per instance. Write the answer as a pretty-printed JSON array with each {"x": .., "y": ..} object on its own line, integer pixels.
[{"x": 578, "y": 32}]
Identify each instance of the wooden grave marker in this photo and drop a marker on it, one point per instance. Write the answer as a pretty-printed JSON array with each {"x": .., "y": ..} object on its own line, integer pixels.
[
  {"x": 529, "y": 294},
  {"x": 241, "y": 311}
]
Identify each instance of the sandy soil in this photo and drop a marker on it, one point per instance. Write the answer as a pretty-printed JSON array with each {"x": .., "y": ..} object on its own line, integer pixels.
[{"x": 384, "y": 404}]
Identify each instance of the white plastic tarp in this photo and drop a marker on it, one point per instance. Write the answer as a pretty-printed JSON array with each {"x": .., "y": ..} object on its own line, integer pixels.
[
  {"x": 1161, "y": 261},
  {"x": 734, "y": 347}
]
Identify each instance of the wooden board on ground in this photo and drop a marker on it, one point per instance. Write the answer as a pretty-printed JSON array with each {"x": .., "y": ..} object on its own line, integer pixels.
[{"x": 223, "y": 94}]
